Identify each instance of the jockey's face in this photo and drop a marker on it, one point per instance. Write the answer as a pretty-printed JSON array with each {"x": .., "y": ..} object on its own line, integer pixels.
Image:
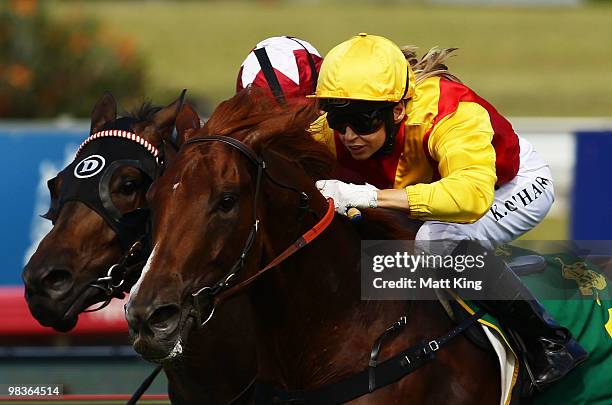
[{"x": 361, "y": 147}]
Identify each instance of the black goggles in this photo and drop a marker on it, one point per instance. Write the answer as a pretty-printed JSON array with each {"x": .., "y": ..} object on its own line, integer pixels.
[{"x": 361, "y": 121}]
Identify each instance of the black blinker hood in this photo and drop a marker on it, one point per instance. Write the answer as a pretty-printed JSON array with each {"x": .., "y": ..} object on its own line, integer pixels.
[{"x": 87, "y": 179}]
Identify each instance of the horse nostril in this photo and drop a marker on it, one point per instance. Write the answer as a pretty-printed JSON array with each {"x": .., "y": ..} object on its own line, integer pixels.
[
  {"x": 165, "y": 318},
  {"x": 30, "y": 278},
  {"x": 57, "y": 280}
]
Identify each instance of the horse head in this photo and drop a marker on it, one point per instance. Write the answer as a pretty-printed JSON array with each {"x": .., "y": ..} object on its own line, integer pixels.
[
  {"x": 98, "y": 213},
  {"x": 215, "y": 209}
]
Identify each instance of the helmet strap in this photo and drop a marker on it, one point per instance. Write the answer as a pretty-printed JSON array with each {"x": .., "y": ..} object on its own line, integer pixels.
[
  {"x": 311, "y": 62},
  {"x": 407, "y": 84},
  {"x": 391, "y": 130},
  {"x": 268, "y": 71}
]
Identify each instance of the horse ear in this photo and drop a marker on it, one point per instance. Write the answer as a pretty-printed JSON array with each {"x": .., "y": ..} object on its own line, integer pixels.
[
  {"x": 104, "y": 111},
  {"x": 164, "y": 119},
  {"x": 187, "y": 122}
]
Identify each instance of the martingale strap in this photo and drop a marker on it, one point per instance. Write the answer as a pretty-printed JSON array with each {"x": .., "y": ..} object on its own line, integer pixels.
[
  {"x": 144, "y": 386},
  {"x": 357, "y": 385}
]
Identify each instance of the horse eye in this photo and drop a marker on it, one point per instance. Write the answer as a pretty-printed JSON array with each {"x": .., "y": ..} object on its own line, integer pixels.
[
  {"x": 129, "y": 187},
  {"x": 227, "y": 202}
]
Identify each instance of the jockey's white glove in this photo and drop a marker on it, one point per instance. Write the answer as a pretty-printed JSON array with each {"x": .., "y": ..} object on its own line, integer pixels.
[{"x": 347, "y": 195}]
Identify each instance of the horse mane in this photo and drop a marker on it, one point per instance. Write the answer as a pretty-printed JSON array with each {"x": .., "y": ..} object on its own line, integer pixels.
[
  {"x": 430, "y": 65},
  {"x": 252, "y": 117}
]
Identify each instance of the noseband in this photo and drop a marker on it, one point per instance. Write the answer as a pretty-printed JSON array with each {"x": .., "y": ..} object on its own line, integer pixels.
[{"x": 212, "y": 294}]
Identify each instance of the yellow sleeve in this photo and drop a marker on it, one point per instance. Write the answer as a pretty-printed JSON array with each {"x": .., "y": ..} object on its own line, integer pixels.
[
  {"x": 321, "y": 132},
  {"x": 461, "y": 144}
]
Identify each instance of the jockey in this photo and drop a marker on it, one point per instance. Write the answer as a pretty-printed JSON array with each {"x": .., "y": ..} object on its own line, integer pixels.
[
  {"x": 425, "y": 144},
  {"x": 285, "y": 67}
]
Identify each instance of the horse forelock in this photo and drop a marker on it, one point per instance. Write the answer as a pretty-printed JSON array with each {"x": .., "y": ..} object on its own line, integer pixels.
[
  {"x": 252, "y": 117},
  {"x": 144, "y": 113}
]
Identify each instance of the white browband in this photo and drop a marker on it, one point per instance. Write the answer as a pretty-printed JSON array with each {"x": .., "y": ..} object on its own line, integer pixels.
[{"x": 121, "y": 134}]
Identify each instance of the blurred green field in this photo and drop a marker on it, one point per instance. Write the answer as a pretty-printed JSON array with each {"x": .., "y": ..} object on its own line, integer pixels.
[{"x": 527, "y": 61}]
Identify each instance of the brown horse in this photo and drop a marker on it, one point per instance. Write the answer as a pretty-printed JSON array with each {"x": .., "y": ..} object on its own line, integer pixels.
[
  {"x": 62, "y": 277},
  {"x": 212, "y": 211}
]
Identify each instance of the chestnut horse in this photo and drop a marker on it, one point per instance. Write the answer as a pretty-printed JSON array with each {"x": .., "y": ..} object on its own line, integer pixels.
[
  {"x": 66, "y": 273},
  {"x": 217, "y": 220}
]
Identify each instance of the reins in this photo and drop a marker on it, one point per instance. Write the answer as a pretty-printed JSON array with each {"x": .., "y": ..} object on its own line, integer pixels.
[
  {"x": 302, "y": 241},
  {"x": 224, "y": 288}
]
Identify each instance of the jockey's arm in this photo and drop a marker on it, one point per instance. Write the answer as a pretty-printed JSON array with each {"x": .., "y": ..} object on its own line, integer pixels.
[
  {"x": 461, "y": 144},
  {"x": 393, "y": 198}
]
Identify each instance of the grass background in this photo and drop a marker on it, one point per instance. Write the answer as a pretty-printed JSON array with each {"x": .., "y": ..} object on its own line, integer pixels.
[{"x": 550, "y": 61}]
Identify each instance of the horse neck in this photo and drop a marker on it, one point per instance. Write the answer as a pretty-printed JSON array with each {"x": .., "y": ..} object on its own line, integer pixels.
[{"x": 311, "y": 323}]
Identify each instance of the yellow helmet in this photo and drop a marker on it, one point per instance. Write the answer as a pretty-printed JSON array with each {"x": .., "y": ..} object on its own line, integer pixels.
[{"x": 366, "y": 67}]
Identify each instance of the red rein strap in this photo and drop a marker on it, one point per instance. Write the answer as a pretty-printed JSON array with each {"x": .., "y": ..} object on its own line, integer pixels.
[
  {"x": 302, "y": 241},
  {"x": 305, "y": 239}
]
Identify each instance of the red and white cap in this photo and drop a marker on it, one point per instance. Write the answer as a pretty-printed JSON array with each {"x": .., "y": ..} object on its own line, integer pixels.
[{"x": 287, "y": 67}]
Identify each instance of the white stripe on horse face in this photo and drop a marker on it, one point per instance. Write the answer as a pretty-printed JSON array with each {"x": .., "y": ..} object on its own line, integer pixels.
[
  {"x": 175, "y": 186},
  {"x": 145, "y": 269}
]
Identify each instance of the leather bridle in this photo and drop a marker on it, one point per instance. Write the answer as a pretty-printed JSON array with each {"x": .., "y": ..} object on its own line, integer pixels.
[
  {"x": 225, "y": 287},
  {"x": 136, "y": 243},
  {"x": 113, "y": 283}
]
